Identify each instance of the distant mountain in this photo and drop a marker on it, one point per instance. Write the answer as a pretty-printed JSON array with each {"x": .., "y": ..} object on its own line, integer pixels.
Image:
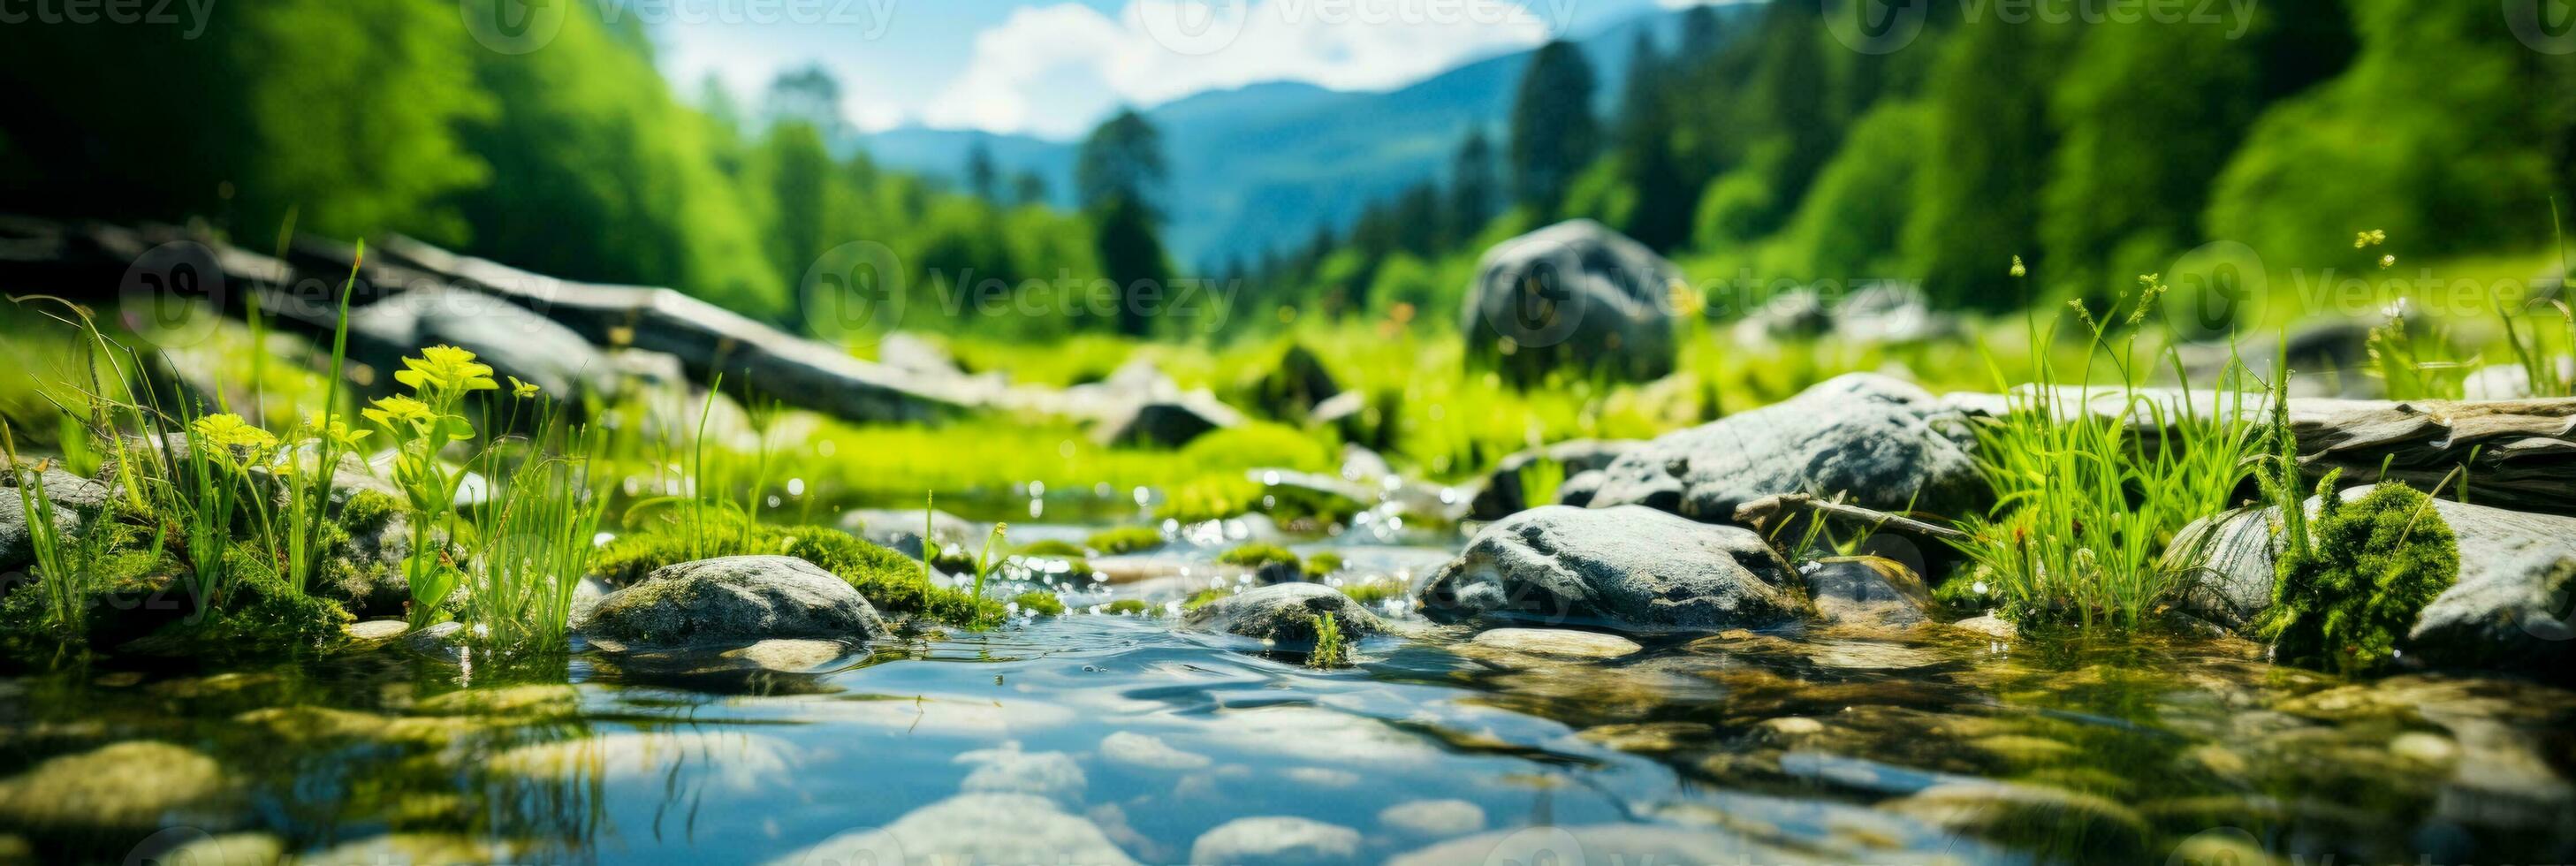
[{"x": 1260, "y": 167}]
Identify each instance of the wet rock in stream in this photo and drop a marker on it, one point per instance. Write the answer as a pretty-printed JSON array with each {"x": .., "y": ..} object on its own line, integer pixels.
[
  {"x": 1278, "y": 839},
  {"x": 1628, "y": 569},
  {"x": 2513, "y": 608},
  {"x": 1284, "y": 614},
  {"x": 734, "y": 599},
  {"x": 961, "y": 829},
  {"x": 131, "y": 786},
  {"x": 1886, "y": 444}
]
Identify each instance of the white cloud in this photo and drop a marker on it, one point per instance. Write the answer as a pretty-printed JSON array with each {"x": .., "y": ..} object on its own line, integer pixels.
[{"x": 1053, "y": 70}]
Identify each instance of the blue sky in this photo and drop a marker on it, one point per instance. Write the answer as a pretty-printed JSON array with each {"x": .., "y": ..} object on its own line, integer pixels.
[{"x": 1054, "y": 68}]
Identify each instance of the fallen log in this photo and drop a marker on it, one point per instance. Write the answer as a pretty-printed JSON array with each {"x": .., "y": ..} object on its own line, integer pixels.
[
  {"x": 2521, "y": 452},
  {"x": 148, "y": 267}
]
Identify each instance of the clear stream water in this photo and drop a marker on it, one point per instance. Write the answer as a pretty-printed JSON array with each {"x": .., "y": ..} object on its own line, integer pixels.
[{"x": 1043, "y": 741}]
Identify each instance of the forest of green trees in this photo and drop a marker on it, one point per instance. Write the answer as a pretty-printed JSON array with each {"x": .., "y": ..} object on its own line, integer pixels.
[
  {"x": 1754, "y": 142},
  {"x": 1763, "y": 145}
]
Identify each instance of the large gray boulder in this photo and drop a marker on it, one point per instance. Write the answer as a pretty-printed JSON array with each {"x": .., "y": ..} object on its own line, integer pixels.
[
  {"x": 1628, "y": 569},
  {"x": 1883, "y": 443},
  {"x": 1574, "y": 296},
  {"x": 735, "y": 599},
  {"x": 2514, "y": 606},
  {"x": 1284, "y": 614}
]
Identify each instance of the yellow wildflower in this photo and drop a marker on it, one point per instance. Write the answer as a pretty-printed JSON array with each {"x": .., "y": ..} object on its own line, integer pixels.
[
  {"x": 230, "y": 431},
  {"x": 522, "y": 389},
  {"x": 392, "y": 412},
  {"x": 337, "y": 431},
  {"x": 2018, "y": 269},
  {"x": 445, "y": 367},
  {"x": 2371, "y": 238}
]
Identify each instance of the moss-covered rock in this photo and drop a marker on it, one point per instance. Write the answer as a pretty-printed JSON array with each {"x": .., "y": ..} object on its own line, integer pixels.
[
  {"x": 892, "y": 582},
  {"x": 1285, "y": 614},
  {"x": 1270, "y": 563},
  {"x": 138, "y": 785},
  {"x": 362, "y": 555},
  {"x": 2346, "y": 598},
  {"x": 735, "y": 599}
]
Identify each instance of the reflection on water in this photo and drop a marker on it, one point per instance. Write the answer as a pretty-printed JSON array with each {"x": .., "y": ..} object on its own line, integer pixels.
[{"x": 1104, "y": 738}]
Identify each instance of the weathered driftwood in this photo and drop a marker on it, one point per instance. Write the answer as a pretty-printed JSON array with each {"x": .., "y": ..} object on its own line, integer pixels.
[
  {"x": 2521, "y": 452},
  {"x": 709, "y": 340},
  {"x": 1769, "y": 512}
]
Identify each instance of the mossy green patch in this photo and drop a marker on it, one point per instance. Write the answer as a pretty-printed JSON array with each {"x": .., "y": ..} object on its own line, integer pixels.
[
  {"x": 2369, "y": 568},
  {"x": 1040, "y": 602},
  {"x": 1210, "y": 497},
  {"x": 1258, "y": 555},
  {"x": 1374, "y": 592},
  {"x": 1203, "y": 598},
  {"x": 1054, "y": 548},
  {"x": 1322, "y": 564},
  {"x": 891, "y": 581},
  {"x": 1126, "y": 539}
]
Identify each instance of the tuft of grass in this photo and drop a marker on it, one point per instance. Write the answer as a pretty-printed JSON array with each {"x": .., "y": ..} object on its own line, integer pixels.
[
  {"x": 1329, "y": 652},
  {"x": 535, "y": 548},
  {"x": 1540, "y": 479},
  {"x": 2085, "y": 508},
  {"x": 62, "y": 571},
  {"x": 984, "y": 561}
]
